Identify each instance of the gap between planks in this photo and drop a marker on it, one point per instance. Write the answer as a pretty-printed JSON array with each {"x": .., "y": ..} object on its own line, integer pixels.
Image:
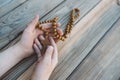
[{"x": 51, "y": 79}]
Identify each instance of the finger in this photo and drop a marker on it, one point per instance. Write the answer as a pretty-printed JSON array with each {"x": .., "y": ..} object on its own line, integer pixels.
[
  {"x": 38, "y": 43},
  {"x": 55, "y": 53},
  {"x": 41, "y": 38},
  {"x": 49, "y": 25},
  {"x": 59, "y": 31},
  {"x": 33, "y": 24},
  {"x": 37, "y": 50},
  {"x": 48, "y": 53},
  {"x": 53, "y": 42}
]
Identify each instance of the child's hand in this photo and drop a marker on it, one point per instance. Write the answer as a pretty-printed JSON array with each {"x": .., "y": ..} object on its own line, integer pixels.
[
  {"x": 30, "y": 33},
  {"x": 46, "y": 63}
]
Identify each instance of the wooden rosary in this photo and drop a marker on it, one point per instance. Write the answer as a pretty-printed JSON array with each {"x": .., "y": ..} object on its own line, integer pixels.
[{"x": 75, "y": 13}]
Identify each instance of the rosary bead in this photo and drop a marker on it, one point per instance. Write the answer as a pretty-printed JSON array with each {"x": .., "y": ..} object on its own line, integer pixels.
[
  {"x": 67, "y": 30},
  {"x": 62, "y": 38},
  {"x": 40, "y": 22},
  {"x": 55, "y": 30},
  {"x": 46, "y": 34},
  {"x": 56, "y": 18},
  {"x": 46, "y": 21},
  {"x": 49, "y": 21},
  {"x": 75, "y": 13},
  {"x": 58, "y": 36},
  {"x": 65, "y": 36},
  {"x": 54, "y": 24},
  {"x": 76, "y": 9},
  {"x": 40, "y": 27},
  {"x": 43, "y": 22},
  {"x": 78, "y": 14},
  {"x": 55, "y": 33},
  {"x": 72, "y": 18}
]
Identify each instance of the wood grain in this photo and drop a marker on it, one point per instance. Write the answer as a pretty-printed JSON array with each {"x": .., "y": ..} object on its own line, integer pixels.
[
  {"x": 82, "y": 49},
  {"x": 103, "y": 62},
  {"x": 62, "y": 20},
  {"x": 8, "y": 5},
  {"x": 15, "y": 22},
  {"x": 79, "y": 49},
  {"x": 64, "y": 51}
]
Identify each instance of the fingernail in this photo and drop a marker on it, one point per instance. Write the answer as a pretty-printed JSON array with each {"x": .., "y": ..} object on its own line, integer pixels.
[{"x": 41, "y": 37}]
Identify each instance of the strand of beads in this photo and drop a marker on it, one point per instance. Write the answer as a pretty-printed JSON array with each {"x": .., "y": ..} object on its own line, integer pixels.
[{"x": 75, "y": 13}]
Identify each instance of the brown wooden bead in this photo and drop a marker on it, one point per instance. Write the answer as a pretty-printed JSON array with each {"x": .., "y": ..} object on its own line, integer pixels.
[
  {"x": 75, "y": 13},
  {"x": 40, "y": 22},
  {"x": 65, "y": 36},
  {"x": 56, "y": 18},
  {"x": 54, "y": 24},
  {"x": 62, "y": 38},
  {"x": 57, "y": 36},
  {"x": 40, "y": 27},
  {"x": 55, "y": 30},
  {"x": 78, "y": 14},
  {"x": 55, "y": 33},
  {"x": 46, "y": 33},
  {"x": 46, "y": 21}
]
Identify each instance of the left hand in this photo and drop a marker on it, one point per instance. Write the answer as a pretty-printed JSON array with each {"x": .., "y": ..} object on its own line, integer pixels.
[{"x": 30, "y": 34}]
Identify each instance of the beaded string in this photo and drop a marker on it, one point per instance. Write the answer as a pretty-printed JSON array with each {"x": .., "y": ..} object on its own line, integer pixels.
[{"x": 75, "y": 13}]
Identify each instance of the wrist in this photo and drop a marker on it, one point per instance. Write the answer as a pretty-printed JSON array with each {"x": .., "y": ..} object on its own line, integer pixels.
[
  {"x": 39, "y": 78},
  {"x": 23, "y": 51}
]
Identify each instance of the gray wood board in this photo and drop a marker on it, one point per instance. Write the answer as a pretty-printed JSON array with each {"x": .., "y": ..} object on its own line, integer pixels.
[
  {"x": 88, "y": 41},
  {"x": 83, "y": 5},
  {"x": 8, "y": 5},
  {"x": 15, "y": 22},
  {"x": 103, "y": 62}
]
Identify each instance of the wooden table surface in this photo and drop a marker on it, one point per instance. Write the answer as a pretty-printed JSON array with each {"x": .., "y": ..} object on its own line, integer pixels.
[{"x": 92, "y": 50}]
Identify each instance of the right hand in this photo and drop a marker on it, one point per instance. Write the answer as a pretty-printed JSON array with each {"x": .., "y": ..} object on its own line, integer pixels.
[{"x": 46, "y": 63}]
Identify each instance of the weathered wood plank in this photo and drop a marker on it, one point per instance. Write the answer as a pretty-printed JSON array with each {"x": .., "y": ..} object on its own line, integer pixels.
[
  {"x": 81, "y": 48},
  {"x": 15, "y": 22},
  {"x": 61, "y": 72},
  {"x": 103, "y": 62},
  {"x": 85, "y": 48},
  {"x": 85, "y": 10},
  {"x": 7, "y": 5}
]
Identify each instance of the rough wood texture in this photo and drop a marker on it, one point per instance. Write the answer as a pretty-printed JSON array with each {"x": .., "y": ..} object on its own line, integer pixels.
[
  {"x": 88, "y": 52},
  {"x": 8, "y": 5},
  {"x": 103, "y": 62},
  {"x": 81, "y": 48},
  {"x": 15, "y": 22},
  {"x": 63, "y": 21},
  {"x": 68, "y": 8}
]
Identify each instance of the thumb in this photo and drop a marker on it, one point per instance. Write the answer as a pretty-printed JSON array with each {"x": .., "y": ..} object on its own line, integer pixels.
[
  {"x": 33, "y": 23},
  {"x": 48, "y": 53}
]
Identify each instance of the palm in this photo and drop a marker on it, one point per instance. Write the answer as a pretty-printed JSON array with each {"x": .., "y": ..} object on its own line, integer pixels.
[{"x": 30, "y": 34}]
